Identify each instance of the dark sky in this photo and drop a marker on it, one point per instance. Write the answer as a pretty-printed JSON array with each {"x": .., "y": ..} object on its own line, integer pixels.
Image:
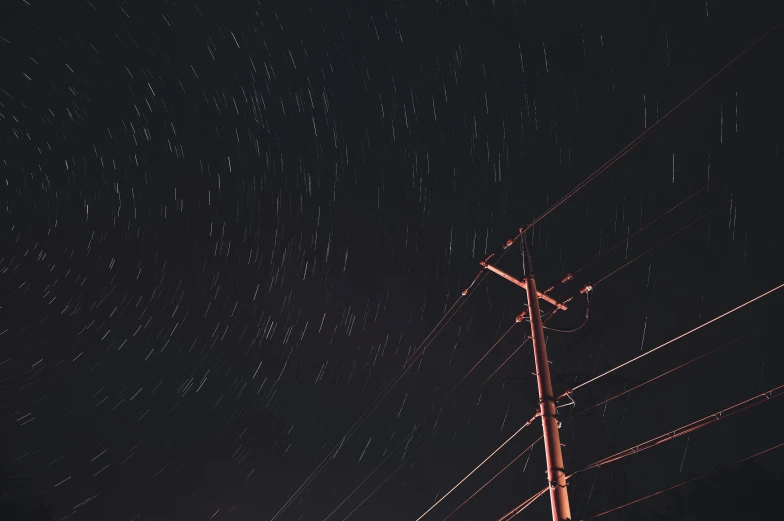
[{"x": 225, "y": 225}]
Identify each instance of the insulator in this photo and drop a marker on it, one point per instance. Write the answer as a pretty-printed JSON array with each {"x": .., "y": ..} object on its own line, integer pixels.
[
  {"x": 586, "y": 289},
  {"x": 567, "y": 278},
  {"x": 465, "y": 292},
  {"x": 520, "y": 317}
]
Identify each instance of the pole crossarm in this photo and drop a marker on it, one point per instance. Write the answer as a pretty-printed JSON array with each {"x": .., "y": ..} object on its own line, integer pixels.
[
  {"x": 523, "y": 285},
  {"x": 556, "y": 477}
]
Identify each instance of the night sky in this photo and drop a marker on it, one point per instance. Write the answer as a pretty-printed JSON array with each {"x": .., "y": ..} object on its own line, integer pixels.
[{"x": 227, "y": 225}]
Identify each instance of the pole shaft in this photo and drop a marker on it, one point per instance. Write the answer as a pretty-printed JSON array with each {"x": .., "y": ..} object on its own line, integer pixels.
[{"x": 559, "y": 499}]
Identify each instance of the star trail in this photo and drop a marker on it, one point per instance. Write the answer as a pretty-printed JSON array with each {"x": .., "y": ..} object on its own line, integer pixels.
[{"x": 246, "y": 252}]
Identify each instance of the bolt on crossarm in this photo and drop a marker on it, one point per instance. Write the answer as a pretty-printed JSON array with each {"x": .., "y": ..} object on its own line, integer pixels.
[{"x": 559, "y": 498}]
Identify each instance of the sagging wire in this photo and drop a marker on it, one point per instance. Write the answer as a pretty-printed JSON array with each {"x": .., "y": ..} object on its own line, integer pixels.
[
  {"x": 406, "y": 460},
  {"x": 526, "y": 450},
  {"x": 769, "y": 449},
  {"x": 518, "y": 431},
  {"x": 704, "y": 324},
  {"x": 393, "y": 451},
  {"x": 682, "y": 229},
  {"x": 627, "y": 391},
  {"x": 462, "y": 299},
  {"x": 641, "y": 229},
  {"x": 658, "y": 440},
  {"x": 587, "y": 313},
  {"x": 421, "y": 422},
  {"x": 687, "y": 429},
  {"x": 644, "y": 135},
  {"x": 522, "y": 506}
]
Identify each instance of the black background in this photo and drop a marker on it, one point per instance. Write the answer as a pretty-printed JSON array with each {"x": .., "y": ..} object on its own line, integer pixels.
[{"x": 191, "y": 190}]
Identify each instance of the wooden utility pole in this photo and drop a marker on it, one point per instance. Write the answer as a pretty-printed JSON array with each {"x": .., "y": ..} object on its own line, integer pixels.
[
  {"x": 556, "y": 476},
  {"x": 559, "y": 499}
]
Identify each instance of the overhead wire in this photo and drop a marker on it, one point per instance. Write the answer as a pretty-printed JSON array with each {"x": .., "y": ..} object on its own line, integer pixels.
[
  {"x": 518, "y": 431},
  {"x": 714, "y": 471},
  {"x": 505, "y": 362},
  {"x": 545, "y": 318},
  {"x": 589, "y": 288},
  {"x": 405, "y": 460},
  {"x": 462, "y": 299},
  {"x": 525, "y": 451},
  {"x": 663, "y": 438},
  {"x": 687, "y": 429},
  {"x": 682, "y": 335},
  {"x": 421, "y": 422},
  {"x": 587, "y": 314},
  {"x": 502, "y": 445},
  {"x": 571, "y": 275},
  {"x": 480, "y": 278},
  {"x": 644, "y": 135},
  {"x": 651, "y": 380},
  {"x": 393, "y": 451},
  {"x": 682, "y": 229},
  {"x": 522, "y": 506},
  {"x": 625, "y": 392},
  {"x": 611, "y": 399},
  {"x": 641, "y": 229},
  {"x": 598, "y": 172}
]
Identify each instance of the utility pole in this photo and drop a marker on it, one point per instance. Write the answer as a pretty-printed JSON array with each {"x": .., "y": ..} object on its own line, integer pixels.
[
  {"x": 556, "y": 476},
  {"x": 559, "y": 499}
]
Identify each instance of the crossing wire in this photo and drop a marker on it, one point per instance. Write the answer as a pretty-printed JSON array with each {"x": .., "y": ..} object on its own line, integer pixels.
[
  {"x": 760, "y": 453},
  {"x": 704, "y": 324},
  {"x": 663, "y": 438},
  {"x": 462, "y": 299},
  {"x": 639, "y": 139}
]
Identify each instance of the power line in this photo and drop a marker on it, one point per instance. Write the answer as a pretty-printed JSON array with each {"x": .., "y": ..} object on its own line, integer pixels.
[
  {"x": 602, "y": 403},
  {"x": 671, "y": 341},
  {"x": 522, "y": 506},
  {"x": 570, "y": 276},
  {"x": 760, "y": 453},
  {"x": 391, "y": 474},
  {"x": 442, "y": 401},
  {"x": 462, "y": 299},
  {"x": 608, "y": 400},
  {"x": 572, "y": 192},
  {"x": 393, "y": 451},
  {"x": 612, "y": 370},
  {"x": 505, "y": 362},
  {"x": 639, "y": 139},
  {"x": 641, "y": 229},
  {"x": 663, "y": 438},
  {"x": 422, "y": 421},
  {"x": 575, "y": 330},
  {"x": 525, "y": 451},
  {"x": 682, "y": 229},
  {"x": 656, "y": 377},
  {"x": 483, "y": 357},
  {"x": 518, "y": 431},
  {"x": 688, "y": 428}
]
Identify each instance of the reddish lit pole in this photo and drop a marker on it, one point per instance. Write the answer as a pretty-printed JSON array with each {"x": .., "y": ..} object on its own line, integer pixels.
[{"x": 559, "y": 499}]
